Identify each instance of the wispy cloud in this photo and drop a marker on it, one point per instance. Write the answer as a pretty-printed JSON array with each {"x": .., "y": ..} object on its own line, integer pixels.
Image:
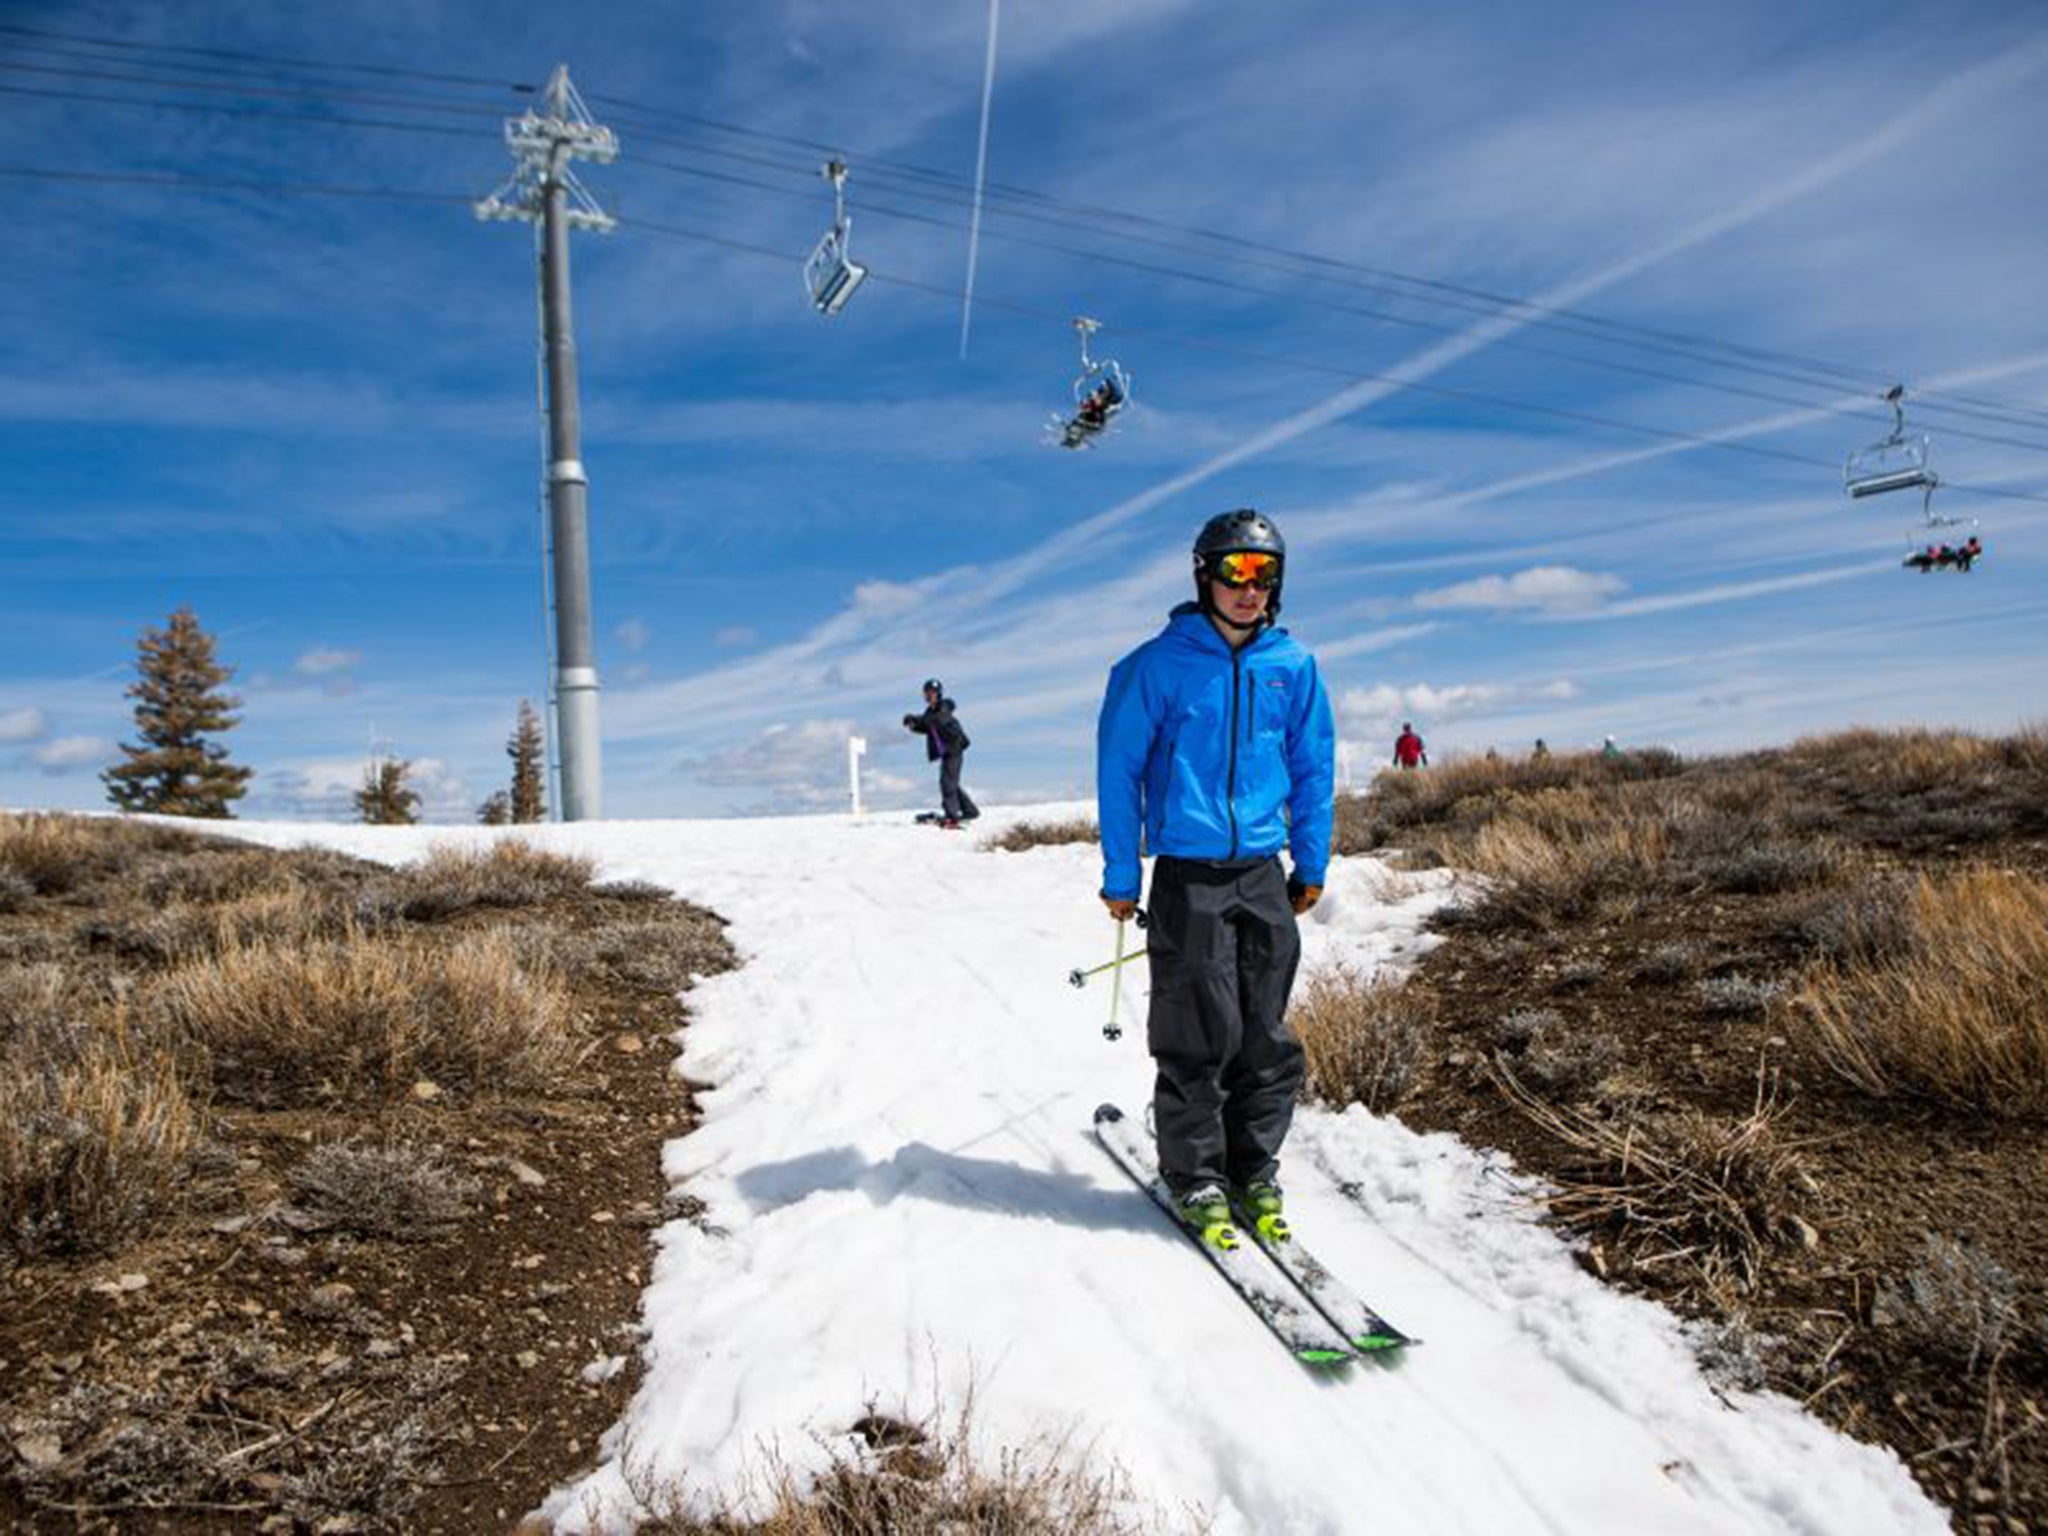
[
  {"x": 326, "y": 661},
  {"x": 18, "y": 725},
  {"x": 1541, "y": 588},
  {"x": 1726, "y": 592},
  {"x": 69, "y": 754}
]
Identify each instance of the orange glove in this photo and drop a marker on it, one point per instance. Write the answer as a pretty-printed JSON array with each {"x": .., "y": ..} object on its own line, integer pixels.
[
  {"x": 1123, "y": 911},
  {"x": 1302, "y": 897}
]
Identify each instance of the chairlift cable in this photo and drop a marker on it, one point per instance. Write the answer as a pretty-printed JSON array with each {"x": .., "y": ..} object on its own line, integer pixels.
[
  {"x": 1570, "y": 322},
  {"x": 1213, "y": 280},
  {"x": 412, "y": 102},
  {"x": 1035, "y": 312},
  {"x": 1844, "y": 375},
  {"x": 168, "y": 182},
  {"x": 276, "y": 188},
  {"x": 1607, "y": 329},
  {"x": 395, "y": 71}
]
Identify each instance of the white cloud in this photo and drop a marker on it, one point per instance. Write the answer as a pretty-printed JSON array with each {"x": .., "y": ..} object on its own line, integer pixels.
[
  {"x": 1373, "y": 710},
  {"x": 19, "y": 725},
  {"x": 66, "y": 754},
  {"x": 326, "y": 661},
  {"x": 798, "y": 767},
  {"x": 1542, "y": 588},
  {"x": 633, "y": 635}
]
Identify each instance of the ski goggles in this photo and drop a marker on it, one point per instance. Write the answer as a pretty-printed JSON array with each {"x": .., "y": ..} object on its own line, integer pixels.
[{"x": 1247, "y": 568}]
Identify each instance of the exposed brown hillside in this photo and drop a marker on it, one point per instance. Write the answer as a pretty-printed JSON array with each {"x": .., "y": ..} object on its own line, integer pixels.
[
  {"x": 1776, "y": 1028},
  {"x": 324, "y": 1189}
]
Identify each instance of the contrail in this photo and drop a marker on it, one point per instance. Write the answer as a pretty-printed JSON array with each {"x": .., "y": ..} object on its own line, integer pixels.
[
  {"x": 1968, "y": 88},
  {"x": 853, "y": 625},
  {"x": 988, "y": 91}
]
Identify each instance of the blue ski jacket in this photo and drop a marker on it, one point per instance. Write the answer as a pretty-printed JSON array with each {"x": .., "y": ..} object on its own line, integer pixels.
[{"x": 1214, "y": 753}]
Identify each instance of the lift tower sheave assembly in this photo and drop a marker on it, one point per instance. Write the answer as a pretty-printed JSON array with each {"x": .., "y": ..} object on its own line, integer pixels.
[{"x": 544, "y": 190}]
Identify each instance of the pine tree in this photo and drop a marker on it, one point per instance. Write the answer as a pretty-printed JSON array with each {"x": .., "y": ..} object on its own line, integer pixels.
[
  {"x": 527, "y": 749},
  {"x": 176, "y": 771},
  {"x": 385, "y": 800},
  {"x": 496, "y": 811}
]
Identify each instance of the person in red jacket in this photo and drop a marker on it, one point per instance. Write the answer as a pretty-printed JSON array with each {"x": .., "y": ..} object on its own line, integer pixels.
[{"x": 1409, "y": 751}]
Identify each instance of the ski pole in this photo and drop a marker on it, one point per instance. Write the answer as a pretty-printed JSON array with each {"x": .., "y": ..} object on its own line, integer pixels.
[
  {"x": 1112, "y": 1030},
  {"x": 1080, "y": 977}
]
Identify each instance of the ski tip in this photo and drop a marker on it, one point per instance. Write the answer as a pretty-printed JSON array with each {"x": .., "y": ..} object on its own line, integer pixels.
[
  {"x": 1323, "y": 1356},
  {"x": 1107, "y": 1113},
  {"x": 1382, "y": 1343}
]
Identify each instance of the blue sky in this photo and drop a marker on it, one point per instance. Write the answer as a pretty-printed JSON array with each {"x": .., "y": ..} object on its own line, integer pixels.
[{"x": 313, "y": 418}]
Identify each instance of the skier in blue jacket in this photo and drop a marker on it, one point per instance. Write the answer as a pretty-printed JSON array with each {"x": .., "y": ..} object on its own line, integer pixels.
[{"x": 1216, "y": 742}]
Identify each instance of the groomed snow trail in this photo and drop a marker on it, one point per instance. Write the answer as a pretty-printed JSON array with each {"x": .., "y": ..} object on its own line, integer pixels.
[{"x": 904, "y": 1204}]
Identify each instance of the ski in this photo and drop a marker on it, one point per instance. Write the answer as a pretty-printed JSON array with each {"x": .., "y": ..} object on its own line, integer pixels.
[
  {"x": 1364, "y": 1329},
  {"x": 1308, "y": 1335}
]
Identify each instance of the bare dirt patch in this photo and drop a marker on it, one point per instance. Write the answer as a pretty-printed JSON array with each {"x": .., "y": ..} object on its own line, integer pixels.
[{"x": 398, "y": 1292}]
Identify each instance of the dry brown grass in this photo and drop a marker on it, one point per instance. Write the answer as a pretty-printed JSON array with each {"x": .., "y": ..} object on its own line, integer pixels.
[
  {"x": 56, "y": 853},
  {"x": 355, "y": 1018},
  {"x": 1900, "y": 761},
  {"x": 510, "y": 873},
  {"x": 1959, "y": 1011},
  {"x": 1367, "y": 1041},
  {"x": 895, "y": 1477},
  {"x": 97, "y": 1129},
  {"x": 1558, "y": 851},
  {"x": 1704, "y": 1194},
  {"x": 1041, "y": 834}
]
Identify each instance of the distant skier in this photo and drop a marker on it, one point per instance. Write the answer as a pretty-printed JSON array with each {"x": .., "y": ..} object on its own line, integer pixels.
[
  {"x": 1216, "y": 741},
  {"x": 945, "y": 743},
  {"x": 1409, "y": 751},
  {"x": 1609, "y": 752}
]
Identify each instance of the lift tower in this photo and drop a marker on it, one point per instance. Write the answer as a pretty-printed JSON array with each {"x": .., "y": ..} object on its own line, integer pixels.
[{"x": 544, "y": 191}]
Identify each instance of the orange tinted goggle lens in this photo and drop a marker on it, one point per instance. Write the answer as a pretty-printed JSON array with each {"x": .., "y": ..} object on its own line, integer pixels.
[{"x": 1248, "y": 568}]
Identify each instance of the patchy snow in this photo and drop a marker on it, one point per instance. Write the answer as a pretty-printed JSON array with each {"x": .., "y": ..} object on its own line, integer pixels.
[{"x": 904, "y": 1203}]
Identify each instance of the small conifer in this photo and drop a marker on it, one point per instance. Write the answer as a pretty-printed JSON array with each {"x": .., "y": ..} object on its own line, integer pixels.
[
  {"x": 385, "y": 799},
  {"x": 528, "y": 749},
  {"x": 175, "y": 770},
  {"x": 496, "y": 811}
]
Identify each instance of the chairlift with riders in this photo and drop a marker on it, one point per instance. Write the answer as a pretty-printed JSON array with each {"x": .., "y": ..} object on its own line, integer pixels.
[
  {"x": 1924, "y": 554},
  {"x": 831, "y": 275},
  {"x": 1101, "y": 391}
]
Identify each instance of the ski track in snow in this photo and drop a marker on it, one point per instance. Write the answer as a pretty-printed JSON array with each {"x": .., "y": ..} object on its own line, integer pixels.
[{"x": 905, "y": 1205}]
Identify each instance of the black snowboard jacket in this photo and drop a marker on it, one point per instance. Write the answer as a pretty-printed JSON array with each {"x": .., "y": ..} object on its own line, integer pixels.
[{"x": 943, "y": 734}]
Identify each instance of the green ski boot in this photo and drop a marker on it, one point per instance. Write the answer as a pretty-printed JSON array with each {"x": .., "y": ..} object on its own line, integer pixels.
[
  {"x": 1205, "y": 1211},
  {"x": 1259, "y": 1204}
]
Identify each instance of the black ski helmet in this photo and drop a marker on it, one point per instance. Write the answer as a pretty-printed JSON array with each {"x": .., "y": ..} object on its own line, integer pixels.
[
  {"x": 933, "y": 685},
  {"x": 1230, "y": 533}
]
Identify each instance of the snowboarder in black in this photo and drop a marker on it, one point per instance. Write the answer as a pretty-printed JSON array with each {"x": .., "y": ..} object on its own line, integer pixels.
[{"x": 945, "y": 741}]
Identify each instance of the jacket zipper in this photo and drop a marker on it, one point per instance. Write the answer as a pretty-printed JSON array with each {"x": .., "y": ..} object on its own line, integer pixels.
[{"x": 1232, "y": 793}]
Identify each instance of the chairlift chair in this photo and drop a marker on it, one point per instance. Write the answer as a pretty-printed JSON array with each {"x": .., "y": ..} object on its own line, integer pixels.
[
  {"x": 1896, "y": 463},
  {"x": 1101, "y": 390},
  {"x": 831, "y": 275}
]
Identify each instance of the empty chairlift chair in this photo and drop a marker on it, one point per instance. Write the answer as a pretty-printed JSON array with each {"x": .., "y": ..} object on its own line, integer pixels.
[
  {"x": 831, "y": 274},
  {"x": 1897, "y": 463}
]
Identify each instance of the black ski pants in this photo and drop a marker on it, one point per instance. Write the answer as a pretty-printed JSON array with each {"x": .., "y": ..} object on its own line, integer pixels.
[
  {"x": 953, "y": 800},
  {"x": 1223, "y": 951}
]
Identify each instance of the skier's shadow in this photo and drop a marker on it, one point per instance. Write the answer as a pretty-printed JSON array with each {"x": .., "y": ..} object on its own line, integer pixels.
[{"x": 919, "y": 1171}]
